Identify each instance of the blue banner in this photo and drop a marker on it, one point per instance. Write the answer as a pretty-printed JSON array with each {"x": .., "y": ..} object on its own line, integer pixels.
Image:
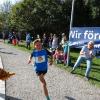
[{"x": 80, "y": 36}]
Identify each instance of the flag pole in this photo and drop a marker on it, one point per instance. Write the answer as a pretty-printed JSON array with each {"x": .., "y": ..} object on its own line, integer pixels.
[{"x": 71, "y": 24}]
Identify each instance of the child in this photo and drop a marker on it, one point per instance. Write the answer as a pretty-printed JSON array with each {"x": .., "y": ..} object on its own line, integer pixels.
[
  {"x": 4, "y": 75},
  {"x": 58, "y": 56},
  {"x": 40, "y": 57},
  {"x": 65, "y": 50}
]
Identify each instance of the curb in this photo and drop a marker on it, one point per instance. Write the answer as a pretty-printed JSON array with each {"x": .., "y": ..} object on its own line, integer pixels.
[{"x": 2, "y": 84}]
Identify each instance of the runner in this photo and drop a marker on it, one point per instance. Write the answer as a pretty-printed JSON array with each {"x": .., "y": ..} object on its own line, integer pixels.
[{"x": 40, "y": 56}]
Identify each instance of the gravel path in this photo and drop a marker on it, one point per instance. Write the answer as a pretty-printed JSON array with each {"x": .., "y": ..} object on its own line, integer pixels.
[{"x": 26, "y": 86}]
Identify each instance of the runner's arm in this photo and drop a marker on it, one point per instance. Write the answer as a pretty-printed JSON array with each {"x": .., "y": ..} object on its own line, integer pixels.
[
  {"x": 30, "y": 59},
  {"x": 50, "y": 56}
]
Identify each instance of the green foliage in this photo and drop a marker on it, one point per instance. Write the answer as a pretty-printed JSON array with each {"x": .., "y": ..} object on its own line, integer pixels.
[
  {"x": 43, "y": 15},
  {"x": 51, "y": 15},
  {"x": 4, "y": 13}
]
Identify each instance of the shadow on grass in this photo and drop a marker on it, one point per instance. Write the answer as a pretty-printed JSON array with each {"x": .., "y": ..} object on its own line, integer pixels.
[
  {"x": 93, "y": 78},
  {"x": 90, "y": 78},
  {"x": 96, "y": 64},
  {"x": 74, "y": 59},
  {"x": 93, "y": 69},
  {"x": 69, "y": 98}
]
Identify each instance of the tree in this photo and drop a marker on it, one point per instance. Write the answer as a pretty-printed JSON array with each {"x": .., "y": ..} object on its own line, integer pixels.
[
  {"x": 40, "y": 15},
  {"x": 5, "y": 9},
  {"x": 52, "y": 15}
]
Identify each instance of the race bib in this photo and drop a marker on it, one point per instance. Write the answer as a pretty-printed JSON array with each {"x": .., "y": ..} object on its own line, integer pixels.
[{"x": 40, "y": 59}]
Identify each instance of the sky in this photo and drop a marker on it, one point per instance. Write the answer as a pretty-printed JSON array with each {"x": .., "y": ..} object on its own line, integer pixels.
[{"x": 12, "y": 1}]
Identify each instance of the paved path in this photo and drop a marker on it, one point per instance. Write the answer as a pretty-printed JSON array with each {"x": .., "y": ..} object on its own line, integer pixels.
[{"x": 25, "y": 84}]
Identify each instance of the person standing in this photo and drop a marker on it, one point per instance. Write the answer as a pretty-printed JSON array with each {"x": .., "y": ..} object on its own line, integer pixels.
[
  {"x": 87, "y": 53},
  {"x": 4, "y": 36},
  {"x": 40, "y": 57},
  {"x": 45, "y": 41},
  {"x": 28, "y": 40},
  {"x": 65, "y": 49},
  {"x": 10, "y": 37},
  {"x": 54, "y": 42},
  {"x": 50, "y": 40}
]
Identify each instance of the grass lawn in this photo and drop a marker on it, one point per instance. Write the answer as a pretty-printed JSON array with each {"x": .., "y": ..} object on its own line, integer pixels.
[
  {"x": 80, "y": 71},
  {"x": 95, "y": 72}
]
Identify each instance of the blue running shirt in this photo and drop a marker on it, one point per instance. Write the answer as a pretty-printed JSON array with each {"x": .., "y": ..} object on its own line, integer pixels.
[{"x": 40, "y": 60}]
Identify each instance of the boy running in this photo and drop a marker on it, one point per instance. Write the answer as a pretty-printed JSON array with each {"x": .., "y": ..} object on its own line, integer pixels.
[{"x": 40, "y": 58}]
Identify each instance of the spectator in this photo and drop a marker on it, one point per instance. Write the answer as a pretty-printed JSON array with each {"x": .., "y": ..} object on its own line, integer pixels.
[
  {"x": 58, "y": 56},
  {"x": 45, "y": 40},
  {"x": 10, "y": 37},
  {"x": 14, "y": 38},
  {"x": 63, "y": 39},
  {"x": 87, "y": 54},
  {"x": 28, "y": 40},
  {"x": 50, "y": 40},
  {"x": 4, "y": 36},
  {"x": 19, "y": 37},
  {"x": 65, "y": 49},
  {"x": 54, "y": 42},
  {"x": 38, "y": 36}
]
